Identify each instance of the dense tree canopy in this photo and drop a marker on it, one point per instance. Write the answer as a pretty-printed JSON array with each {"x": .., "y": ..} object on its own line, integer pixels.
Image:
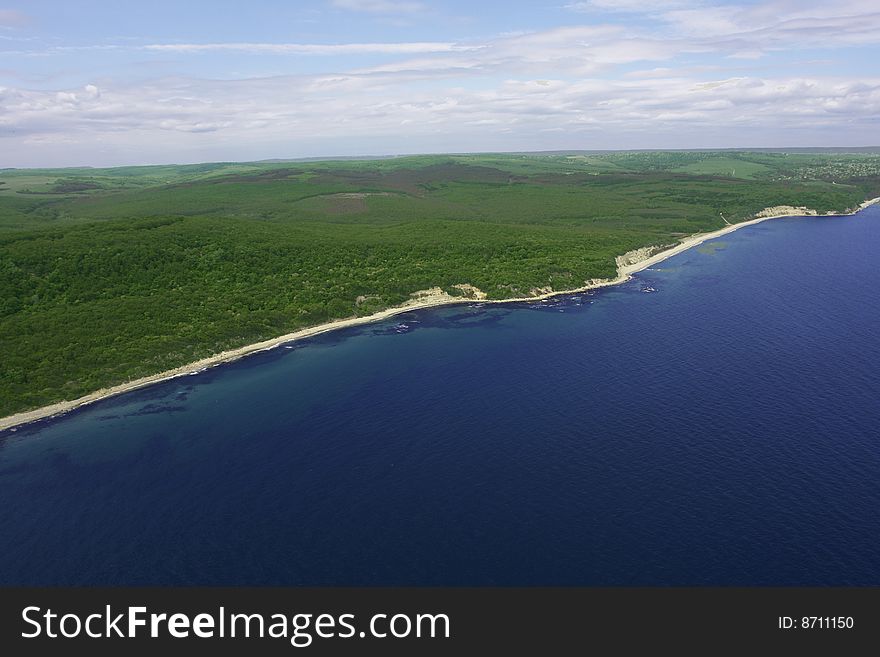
[{"x": 109, "y": 275}]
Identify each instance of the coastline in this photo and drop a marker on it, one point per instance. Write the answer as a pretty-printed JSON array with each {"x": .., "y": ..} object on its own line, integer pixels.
[{"x": 627, "y": 265}]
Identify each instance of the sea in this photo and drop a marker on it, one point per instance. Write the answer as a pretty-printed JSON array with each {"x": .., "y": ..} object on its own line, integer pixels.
[{"x": 713, "y": 421}]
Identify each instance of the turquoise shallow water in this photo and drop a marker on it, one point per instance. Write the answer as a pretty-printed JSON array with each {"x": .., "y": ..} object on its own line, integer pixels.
[{"x": 713, "y": 421}]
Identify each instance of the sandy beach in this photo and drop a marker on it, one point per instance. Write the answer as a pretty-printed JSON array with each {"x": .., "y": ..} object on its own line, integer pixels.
[{"x": 627, "y": 265}]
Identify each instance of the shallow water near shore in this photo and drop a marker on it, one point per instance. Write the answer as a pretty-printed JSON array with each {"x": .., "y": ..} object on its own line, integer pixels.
[{"x": 715, "y": 420}]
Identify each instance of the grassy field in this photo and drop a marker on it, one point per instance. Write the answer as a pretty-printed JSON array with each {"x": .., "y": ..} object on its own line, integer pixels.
[{"x": 112, "y": 274}]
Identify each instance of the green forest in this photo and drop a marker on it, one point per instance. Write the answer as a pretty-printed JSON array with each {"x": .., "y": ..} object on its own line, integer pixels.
[{"x": 108, "y": 275}]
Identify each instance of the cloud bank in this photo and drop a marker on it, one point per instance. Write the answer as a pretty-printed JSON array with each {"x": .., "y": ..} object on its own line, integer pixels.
[{"x": 698, "y": 75}]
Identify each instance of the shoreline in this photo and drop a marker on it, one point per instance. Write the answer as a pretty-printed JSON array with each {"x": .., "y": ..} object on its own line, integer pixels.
[{"x": 627, "y": 265}]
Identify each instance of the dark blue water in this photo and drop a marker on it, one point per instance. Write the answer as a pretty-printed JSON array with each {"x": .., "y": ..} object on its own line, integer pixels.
[{"x": 721, "y": 429}]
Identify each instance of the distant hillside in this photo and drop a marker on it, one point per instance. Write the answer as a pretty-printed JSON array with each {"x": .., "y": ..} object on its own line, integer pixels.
[{"x": 112, "y": 274}]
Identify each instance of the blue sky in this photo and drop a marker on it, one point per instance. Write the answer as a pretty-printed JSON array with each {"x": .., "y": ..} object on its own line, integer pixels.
[{"x": 106, "y": 83}]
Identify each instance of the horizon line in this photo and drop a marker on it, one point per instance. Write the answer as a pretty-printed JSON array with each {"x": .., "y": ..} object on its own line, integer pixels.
[{"x": 332, "y": 158}]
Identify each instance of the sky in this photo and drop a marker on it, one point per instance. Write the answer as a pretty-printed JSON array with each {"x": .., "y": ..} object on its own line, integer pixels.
[{"x": 103, "y": 83}]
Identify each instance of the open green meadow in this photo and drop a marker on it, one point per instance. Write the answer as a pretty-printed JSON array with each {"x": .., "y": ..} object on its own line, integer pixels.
[{"x": 107, "y": 275}]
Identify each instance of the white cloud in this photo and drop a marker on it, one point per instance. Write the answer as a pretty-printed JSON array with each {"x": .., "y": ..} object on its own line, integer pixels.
[
  {"x": 581, "y": 50},
  {"x": 193, "y": 126},
  {"x": 750, "y": 29},
  {"x": 781, "y": 22},
  {"x": 295, "y": 108},
  {"x": 581, "y": 82}
]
